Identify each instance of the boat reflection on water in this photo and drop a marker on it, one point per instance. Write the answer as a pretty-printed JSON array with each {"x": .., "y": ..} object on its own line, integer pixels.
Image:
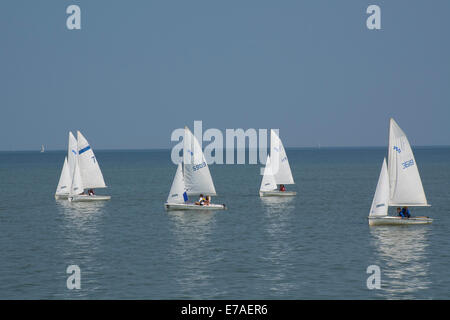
[
  {"x": 191, "y": 226},
  {"x": 278, "y": 222},
  {"x": 403, "y": 259},
  {"x": 81, "y": 223},
  {"x": 278, "y": 205},
  {"x": 193, "y": 233},
  {"x": 81, "y": 240},
  {"x": 81, "y": 215}
]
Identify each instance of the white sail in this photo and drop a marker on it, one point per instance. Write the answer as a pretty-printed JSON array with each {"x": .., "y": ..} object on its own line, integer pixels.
[
  {"x": 42, "y": 148},
  {"x": 89, "y": 169},
  {"x": 177, "y": 192},
  {"x": 197, "y": 177},
  {"x": 380, "y": 203},
  {"x": 405, "y": 184},
  {"x": 71, "y": 153},
  {"x": 65, "y": 180},
  {"x": 268, "y": 182},
  {"x": 280, "y": 163},
  {"x": 77, "y": 186}
]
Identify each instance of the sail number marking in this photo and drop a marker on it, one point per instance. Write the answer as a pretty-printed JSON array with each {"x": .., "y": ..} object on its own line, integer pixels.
[
  {"x": 408, "y": 164},
  {"x": 199, "y": 166}
]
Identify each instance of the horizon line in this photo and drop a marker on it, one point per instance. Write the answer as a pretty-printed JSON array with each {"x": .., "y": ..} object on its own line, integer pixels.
[{"x": 246, "y": 148}]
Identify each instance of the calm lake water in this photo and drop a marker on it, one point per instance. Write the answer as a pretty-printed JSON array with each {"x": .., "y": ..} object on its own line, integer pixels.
[{"x": 317, "y": 245}]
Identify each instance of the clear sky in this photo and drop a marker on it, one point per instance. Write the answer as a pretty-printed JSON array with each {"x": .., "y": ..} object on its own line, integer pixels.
[{"x": 137, "y": 70}]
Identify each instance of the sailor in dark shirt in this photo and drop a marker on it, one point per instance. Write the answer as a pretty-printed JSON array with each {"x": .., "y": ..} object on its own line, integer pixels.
[{"x": 406, "y": 213}]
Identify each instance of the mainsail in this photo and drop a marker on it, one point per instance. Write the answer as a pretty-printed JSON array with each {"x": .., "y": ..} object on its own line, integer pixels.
[
  {"x": 405, "y": 184},
  {"x": 280, "y": 163},
  {"x": 71, "y": 153},
  {"x": 90, "y": 172},
  {"x": 177, "y": 192},
  {"x": 380, "y": 201},
  {"x": 197, "y": 177},
  {"x": 268, "y": 182}
]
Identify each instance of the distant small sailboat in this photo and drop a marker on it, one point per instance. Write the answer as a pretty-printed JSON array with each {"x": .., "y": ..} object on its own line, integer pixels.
[
  {"x": 277, "y": 170},
  {"x": 42, "y": 149},
  {"x": 86, "y": 174},
  {"x": 191, "y": 179},
  {"x": 65, "y": 180},
  {"x": 399, "y": 183}
]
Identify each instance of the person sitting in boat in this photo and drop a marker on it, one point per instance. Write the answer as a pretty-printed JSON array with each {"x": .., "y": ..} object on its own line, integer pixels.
[
  {"x": 91, "y": 192},
  {"x": 207, "y": 201},
  {"x": 399, "y": 212},
  {"x": 406, "y": 213},
  {"x": 282, "y": 187},
  {"x": 201, "y": 200}
]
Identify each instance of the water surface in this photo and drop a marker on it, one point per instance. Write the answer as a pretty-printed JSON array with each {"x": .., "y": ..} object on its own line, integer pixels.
[{"x": 316, "y": 245}]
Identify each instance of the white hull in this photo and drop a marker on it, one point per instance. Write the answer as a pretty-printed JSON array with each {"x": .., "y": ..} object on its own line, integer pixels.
[
  {"x": 86, "y": 198},
  {"x": 390, "y": 220},
  {"x": 191, "y": 206},
  {"x": 61, "y": 196},
  {"x": 276, "y": 193}
]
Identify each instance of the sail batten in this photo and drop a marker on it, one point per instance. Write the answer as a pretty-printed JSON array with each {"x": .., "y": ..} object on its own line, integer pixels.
[
  {"x": 406, "y": 204},
  {"x": 405, "y": 185}
]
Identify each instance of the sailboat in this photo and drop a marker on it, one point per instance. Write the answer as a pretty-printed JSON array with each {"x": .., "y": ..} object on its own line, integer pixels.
[
  {"x": 65, "y": 180},
  {"x": 399, "y": 183},
  {"x": 277, "y": 170},
  {"x": 191, "y": 179},
  {"x": 86, "y": 173},
  {"x": 42, "y": 149}
]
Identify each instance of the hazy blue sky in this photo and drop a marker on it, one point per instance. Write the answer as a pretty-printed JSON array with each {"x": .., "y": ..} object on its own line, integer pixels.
[{"x": 139, "y": 69}]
